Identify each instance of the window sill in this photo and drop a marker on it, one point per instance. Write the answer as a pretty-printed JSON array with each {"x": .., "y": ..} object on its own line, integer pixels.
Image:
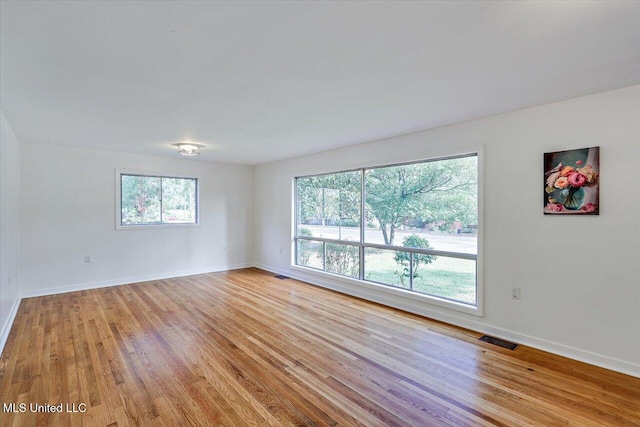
[
  {"x": 154, "y": 226},
  {"x": 397, "y": 292}
]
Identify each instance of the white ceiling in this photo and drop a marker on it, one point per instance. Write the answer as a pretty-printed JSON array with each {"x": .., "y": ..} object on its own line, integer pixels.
[{"x": 261, "y": 81}]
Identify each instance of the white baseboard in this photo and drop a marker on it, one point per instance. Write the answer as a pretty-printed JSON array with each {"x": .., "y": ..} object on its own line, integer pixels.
[
  {"x": 453, "y": 318},
  {"x": 133, "y": 279},
  {"x": 585, "y": 356},
  {"x": 6, "y": 328}
]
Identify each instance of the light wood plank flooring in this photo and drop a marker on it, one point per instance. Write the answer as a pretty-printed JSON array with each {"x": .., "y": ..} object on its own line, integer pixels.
[{"x": 243, "y": 348}]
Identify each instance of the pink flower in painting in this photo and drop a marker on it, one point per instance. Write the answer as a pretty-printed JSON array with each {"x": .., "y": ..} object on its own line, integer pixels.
[
  {"x": 576, "y": 179},
  {"x": 591, "y": 175},
  {"x": 589, "y": 207},
  {"x": 561, "y": 182},
  {"x": 555, "y": 207},
  {"x": 578, "y": 162}
]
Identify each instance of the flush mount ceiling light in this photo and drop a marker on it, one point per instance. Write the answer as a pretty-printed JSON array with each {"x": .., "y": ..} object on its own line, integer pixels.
[{"x": 188, "y": 148}]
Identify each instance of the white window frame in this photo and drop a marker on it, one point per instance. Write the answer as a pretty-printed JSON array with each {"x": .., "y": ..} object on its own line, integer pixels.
[
  {"x": 151, "y": 174},
  {"x": 476, "y": 310}
]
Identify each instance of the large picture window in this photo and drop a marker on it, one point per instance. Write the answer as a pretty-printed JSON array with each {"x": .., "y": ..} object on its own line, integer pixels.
[
  {"x": 147, "y": 200},
  {"x": 410, "y": 226}
]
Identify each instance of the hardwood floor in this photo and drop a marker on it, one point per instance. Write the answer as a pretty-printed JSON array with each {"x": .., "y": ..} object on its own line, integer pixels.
[{"x": 246, "y": 349}]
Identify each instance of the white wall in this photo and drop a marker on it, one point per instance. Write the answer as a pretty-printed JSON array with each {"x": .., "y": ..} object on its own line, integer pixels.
[
  {"x": 9, "y": 226},
  {"x": 67, "y": 202},
  {"x": 580, "y": 276}
]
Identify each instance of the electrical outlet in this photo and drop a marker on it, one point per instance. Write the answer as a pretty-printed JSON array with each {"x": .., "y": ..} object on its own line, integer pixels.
[
  {"x": 515, "y": 293},
  {"x": 87, "y": 259},
  {"x": 280, "y": 250}
]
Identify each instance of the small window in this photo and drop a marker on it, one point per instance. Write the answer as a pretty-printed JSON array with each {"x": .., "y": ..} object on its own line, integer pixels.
[{"x": 150, "y": 200}]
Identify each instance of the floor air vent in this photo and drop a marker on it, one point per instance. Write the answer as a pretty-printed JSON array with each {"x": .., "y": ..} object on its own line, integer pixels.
[
  {"x": 281, "y": 277},
  {"x": 499, "y": 342}
]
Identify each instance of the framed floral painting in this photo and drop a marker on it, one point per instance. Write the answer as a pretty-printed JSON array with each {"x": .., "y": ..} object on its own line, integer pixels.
[{"x": 571, "y": 182}]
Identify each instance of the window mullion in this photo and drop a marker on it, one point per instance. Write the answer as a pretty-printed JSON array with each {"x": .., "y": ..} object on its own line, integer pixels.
[
  {"x": 362, "y": 223},
  {"x": 161, "y": 220}
]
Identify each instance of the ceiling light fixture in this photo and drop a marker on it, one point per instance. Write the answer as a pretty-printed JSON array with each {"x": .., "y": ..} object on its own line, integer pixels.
[{"x": 188, "y": 148}]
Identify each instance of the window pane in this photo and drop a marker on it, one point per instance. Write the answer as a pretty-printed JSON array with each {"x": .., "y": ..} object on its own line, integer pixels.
[
  {"x": 140, "y": 199},
  {"x": 343, "y": 259},
  {"x": 387, "y": 267},
  {"x": 430, "y": 206},
  {"x": 309, "y": 253},
  {"x": 434, "y": 201},
  {"x": 329, "y": 206},
  {"x": 178, "y": 200},
  {"x": 451, "y": 278}
]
